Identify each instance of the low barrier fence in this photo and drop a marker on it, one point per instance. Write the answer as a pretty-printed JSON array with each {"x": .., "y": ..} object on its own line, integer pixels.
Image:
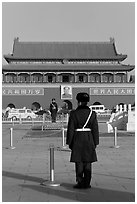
[{"x": 40, "y": 120}]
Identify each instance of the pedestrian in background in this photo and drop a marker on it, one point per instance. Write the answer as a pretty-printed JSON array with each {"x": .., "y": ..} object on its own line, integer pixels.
[
  {"x": 53, "y": 110},
  {"x": 82, "y": 138}
]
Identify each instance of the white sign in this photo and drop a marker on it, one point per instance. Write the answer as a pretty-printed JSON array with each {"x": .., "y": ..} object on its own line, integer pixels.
[
  {"x": 22, "y": 91},
  {"x": 112, "y": 91}
]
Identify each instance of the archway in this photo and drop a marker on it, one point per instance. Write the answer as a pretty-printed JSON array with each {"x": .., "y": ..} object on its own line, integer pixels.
[
  {"x": 108, "y": 77},
  {"x": 97, "y": 103},
  {"x": 69, "y": 104},
  {"x": 11, "y": 105},
  {"x": 37, "y": 77},
  {"x": 95, "y": 78},
  {"x": 11, "y": 77},
  {"x": 24, "y": 77},
  {"x": 35, "y": 106}
]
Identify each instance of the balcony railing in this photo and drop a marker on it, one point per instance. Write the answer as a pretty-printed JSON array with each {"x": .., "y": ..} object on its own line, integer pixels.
[{"x": 45, "y": 82}]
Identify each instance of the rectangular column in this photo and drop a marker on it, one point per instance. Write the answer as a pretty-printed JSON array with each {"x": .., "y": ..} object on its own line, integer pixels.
[
  {"x": 75, "y": 77},
  {"x": 114, "y": 77},
  {"x": 101, "y": 76},
  {"x": 88, "y": 77}
]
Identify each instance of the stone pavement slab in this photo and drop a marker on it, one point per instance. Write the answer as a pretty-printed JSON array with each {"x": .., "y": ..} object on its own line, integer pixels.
[{"x": 25, "y": 167}]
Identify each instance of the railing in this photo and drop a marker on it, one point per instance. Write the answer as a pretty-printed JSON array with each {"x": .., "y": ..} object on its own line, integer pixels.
[
  {"x": 40, "y": 82},
  {"x": 42, "y": 120}
]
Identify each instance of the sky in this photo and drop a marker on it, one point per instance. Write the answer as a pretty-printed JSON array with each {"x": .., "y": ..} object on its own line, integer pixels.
[{"x": 70, "y": 21}]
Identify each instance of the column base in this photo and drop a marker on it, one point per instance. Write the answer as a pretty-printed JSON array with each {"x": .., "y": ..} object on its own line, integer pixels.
[{"x": 50, "y": 183}]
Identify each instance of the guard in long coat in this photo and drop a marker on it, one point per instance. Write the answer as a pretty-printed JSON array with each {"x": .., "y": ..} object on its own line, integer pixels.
[
  {"x": 82, "y": 138},
  {"x": 53, "y": 110}
]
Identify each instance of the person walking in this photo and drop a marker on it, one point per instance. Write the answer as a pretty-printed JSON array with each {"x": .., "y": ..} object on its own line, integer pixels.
[
  {"x": 53, "y": 110},
  {"x": 83, "y": 138}
]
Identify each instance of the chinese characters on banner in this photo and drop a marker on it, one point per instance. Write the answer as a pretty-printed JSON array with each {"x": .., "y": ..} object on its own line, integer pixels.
[
  {"x": 112, "y": 91},
  {"x": 22, "y": 91},
  {"x": 66, "y": 91}
]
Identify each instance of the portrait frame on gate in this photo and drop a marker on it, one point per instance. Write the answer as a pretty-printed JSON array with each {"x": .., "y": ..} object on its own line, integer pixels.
[{"x": 66, "y": 92}]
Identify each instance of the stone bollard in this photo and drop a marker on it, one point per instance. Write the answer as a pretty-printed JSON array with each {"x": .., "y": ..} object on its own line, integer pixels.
[
  {"x": 125, "y": 107},
  {"x": 117, "y": 108},
  {"x": 129, "y": 107},
  {"x": 20, "y": 121},
  {"x": 120, "y": 108},
  {"x": 67, "y": 117},
  {"x": 131, "y": 119},
  {"x": 44, "y": 116},
  {"x": 13, "y": 121},
  {"x": 63, "y": 138}
]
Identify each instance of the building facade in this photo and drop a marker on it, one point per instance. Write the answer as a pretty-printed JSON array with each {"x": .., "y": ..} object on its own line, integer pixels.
[{"x": 40, "y": 71}]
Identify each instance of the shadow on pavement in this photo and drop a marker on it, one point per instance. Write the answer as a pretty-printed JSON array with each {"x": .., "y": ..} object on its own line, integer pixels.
[
  {"x": 66, "y": 191},
  {"x": 114, "y": 176},
  {"x": 21, "y": 176}
]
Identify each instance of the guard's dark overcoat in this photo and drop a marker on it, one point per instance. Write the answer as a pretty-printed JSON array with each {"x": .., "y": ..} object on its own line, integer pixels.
[
  {"x": 82, "y": 144},
  {"x": 53, "y": 110}
]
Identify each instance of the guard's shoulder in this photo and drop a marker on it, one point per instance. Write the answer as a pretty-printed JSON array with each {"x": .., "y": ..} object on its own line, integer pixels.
[
  {"x": 72, "y": 112},
  {"x": 94, "y": 113}
]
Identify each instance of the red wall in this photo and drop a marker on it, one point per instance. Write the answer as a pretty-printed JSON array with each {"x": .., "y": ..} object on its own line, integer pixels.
[{"x": 49, "y": 93}]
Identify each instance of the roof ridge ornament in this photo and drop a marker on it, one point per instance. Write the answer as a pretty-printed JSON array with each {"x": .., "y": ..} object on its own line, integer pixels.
[
  {"x": 112, "y": 40},
  {"x": 16, "y": 39}
]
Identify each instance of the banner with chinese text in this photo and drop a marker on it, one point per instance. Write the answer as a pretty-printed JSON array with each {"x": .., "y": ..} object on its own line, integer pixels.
[
  {"x": 112, "y": 91},
  {"x": 22, "y": 91}
]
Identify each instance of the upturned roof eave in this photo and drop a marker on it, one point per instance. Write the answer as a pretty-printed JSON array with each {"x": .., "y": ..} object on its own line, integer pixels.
[
  {"x": 8, "y": 58},
  {"x": 68, "y": 67}
]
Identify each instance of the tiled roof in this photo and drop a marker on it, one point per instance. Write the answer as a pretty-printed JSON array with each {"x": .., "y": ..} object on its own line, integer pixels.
[
  {"x": 66, "y": 67},
  {"x": 64, "y": 50}
]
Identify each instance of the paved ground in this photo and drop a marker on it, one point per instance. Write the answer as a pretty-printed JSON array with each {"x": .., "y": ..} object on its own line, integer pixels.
[{"x": 25, "y": 167}]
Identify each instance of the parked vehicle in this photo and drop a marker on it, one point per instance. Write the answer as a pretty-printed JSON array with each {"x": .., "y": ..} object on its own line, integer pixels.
[
  {"x": 21, "y": 113},
  {"x": 98, "y": 108}
]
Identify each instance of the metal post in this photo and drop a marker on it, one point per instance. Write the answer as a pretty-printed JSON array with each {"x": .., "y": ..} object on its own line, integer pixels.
[
  {"x": 13, "y": 121},
  {"x": 67, "y": 117},
  {"x": 43, "y": 119},
  {"x": 52, "y": 163},
  {"x": 62, "y": 119},
  {"x": 11, "y": 138},
  {"x": 20, "y": 119},
  {"x": 63, "y": 136},
  {"x": 115, "y": 138},
  {"x": 43, "y": 122},
  {"x": 51, "y": 182},
  {"x": 32, "y": 121}
]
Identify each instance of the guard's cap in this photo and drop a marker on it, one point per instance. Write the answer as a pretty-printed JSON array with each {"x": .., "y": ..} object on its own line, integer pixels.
[{"x": 82, "y": 97}]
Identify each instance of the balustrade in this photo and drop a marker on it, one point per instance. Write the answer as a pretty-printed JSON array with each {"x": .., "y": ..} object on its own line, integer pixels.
[{"x": 88, "y": 77}]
